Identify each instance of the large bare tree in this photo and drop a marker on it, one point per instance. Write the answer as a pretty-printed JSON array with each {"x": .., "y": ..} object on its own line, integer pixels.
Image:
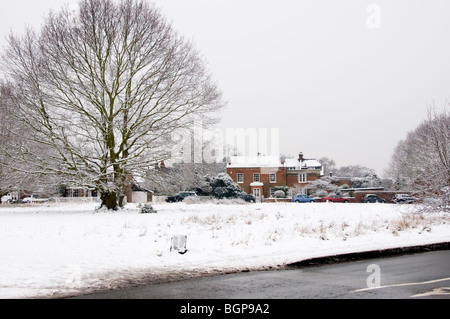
[{"x": 104, "y": 86}]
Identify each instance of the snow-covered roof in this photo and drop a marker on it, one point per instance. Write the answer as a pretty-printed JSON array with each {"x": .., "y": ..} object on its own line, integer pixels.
[
  {"x": 306, "y": 163},
  {"x": 253, "y": 161},
  {"x": 256, "y": 184},
  {"x": 270, "y": 161}
]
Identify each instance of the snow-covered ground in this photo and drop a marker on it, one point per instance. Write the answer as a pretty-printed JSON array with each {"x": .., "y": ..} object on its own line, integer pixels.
[{"x": 51, "y": 250}]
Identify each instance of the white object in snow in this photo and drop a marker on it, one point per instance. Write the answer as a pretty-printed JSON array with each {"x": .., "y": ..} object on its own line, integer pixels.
[{"x": 179, "y": 243}]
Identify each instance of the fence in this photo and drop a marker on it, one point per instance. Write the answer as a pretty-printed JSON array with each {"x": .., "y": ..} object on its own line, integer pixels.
[
  {"x": 75, "y": 200},
  {"x": 158, "y": 199}
]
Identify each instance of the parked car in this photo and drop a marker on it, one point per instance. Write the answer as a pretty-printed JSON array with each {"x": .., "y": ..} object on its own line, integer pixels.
[
  {"x": 302, "y": 198},
  {"x": 179, "y": 197},
  {"x": 335, "y": 199},
  {"x": 34, "y": 200},
  {"x": 27, "y": 200},
  {"x": 372, "y": 198},
  {"x": 6, "y": 199},
  {"x": 248, "y": 198},
  {"x": 403, "y": 199}
]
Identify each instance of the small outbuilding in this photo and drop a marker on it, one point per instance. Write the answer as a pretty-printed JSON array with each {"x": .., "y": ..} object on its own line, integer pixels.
[{"x": 137, "y": 194}]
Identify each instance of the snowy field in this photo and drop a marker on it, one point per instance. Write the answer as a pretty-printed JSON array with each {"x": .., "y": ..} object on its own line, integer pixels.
[{"x": 52, "y": 250}]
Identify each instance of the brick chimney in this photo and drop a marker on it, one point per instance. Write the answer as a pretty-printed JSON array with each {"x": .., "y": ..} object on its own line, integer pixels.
[{"x": 300, "y": 157}]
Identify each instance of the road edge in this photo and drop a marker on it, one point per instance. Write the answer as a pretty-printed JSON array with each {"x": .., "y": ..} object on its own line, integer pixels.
[
  {"x": 310, "y": 262},
  {"x": 370, "y": 254}
]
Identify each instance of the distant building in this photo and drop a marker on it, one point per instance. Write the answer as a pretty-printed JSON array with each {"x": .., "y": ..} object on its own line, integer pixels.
[
  {"x": 259, "y": 175},
  {"x": 133, "y": 192},
  {"x": 137, "y": 194},
  {"x": 77, "y": 192}
]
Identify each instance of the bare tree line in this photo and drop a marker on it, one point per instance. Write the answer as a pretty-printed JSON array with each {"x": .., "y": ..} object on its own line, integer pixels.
[{"x": 421, "y": 162}]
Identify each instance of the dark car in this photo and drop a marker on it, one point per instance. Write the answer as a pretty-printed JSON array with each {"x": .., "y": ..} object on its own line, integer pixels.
[
  {"x": 403, "y": 199},
  {"x": 371, "y": 198},
  {"x": 179, "y": 197},
  {"x": 248, "y": 198}
]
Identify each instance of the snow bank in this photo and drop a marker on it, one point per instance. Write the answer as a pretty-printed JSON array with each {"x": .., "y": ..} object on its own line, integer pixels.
[{"x": 56, "y": 250}]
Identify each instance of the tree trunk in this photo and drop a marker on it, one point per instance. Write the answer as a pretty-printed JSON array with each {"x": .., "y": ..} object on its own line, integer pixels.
[
  {"x": 109, "y": 200},
  {"x": 121, "y": 201}
]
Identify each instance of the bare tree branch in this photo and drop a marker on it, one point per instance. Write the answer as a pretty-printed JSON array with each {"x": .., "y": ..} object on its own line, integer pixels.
[{"x": 421, "y": 163}]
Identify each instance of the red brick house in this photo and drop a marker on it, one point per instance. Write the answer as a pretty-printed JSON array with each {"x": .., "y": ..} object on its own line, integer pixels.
[{"x": 260, "y": 174}]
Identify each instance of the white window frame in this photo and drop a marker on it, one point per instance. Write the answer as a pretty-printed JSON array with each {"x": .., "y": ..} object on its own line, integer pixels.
[
  {"x": 256, "y": 179},
  {"x": 274, "y": 177},
  {"x": 302, "y": 178},
  {"x": 241, "y": 179}
]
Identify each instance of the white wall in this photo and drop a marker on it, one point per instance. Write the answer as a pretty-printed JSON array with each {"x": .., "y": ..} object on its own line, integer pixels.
[{"x": 138, "y": 197}]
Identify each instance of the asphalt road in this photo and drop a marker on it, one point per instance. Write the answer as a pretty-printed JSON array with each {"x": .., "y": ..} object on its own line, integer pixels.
[{"x": 422, "y": 275}]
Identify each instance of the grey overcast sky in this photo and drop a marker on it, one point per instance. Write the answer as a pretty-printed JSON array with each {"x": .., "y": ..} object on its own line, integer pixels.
[{"x": 343, "y": 79}]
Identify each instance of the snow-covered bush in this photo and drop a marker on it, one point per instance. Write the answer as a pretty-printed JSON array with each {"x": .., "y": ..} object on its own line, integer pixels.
[
  {"x": 223, "y": 187},
  {"x": 279, "y": 194},
  {"x": 284, "y": 189},
  {"x": 319, "y": 193},
  {"x": 360, "y": 182},
  {"x": 147, "y": 209},
  {"x": 321, "y": 187}
]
